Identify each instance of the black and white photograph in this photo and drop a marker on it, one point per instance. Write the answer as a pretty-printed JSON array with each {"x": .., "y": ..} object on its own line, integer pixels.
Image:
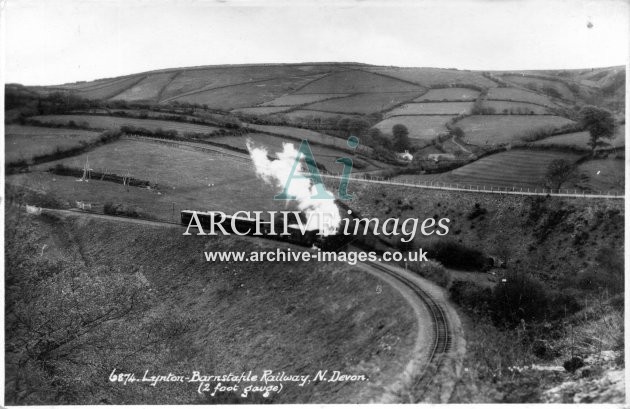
[{"x": 217, "y": 202}]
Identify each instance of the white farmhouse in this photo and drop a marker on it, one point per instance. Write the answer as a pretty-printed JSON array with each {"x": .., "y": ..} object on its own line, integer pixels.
[{"x": 406, "y": 156}]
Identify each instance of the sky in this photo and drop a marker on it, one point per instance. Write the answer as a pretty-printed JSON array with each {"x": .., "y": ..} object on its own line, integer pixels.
[{"x": 53, "y": 42}]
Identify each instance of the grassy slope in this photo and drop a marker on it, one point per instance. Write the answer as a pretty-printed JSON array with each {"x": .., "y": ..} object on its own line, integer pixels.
[
  {"x": 422, "y": 128},
  {"x": 304, "y": 115},
  {"x": 580, "y": 139},
  {"x": 514, "y": 168},
  {"x": 603, "y": 174},
  {"x": 521, "y": 95},
  {"x": 559, "y": 86},
  {"x": 515, "y": 107},
  {"x": 109, "y": 89},
  {"x": 558, "y": 241},
  {"x": 245, "y": 95},
  {"x": 115, "y": 122},
  {"x": 498, "y": 129},
  {"x": 146, "y": 90},
  {"x": 185, "y": 178},
  {"x": 25, "y": 142},
  {"x": 434, "y": 76},
  {"x": 440, "y": 94},
  {"x": 283, "y": 316},
  {"x": 363, "y": 103},
  {"x": 432, "y": 108},
  {"x": 354, "y": 81},
  {"x": 266, "y": 110},
  {"x": 192, "y": 179},
  {"x": 274, "y": 144},
  {"x": 556, "y": 237},
  {"x": 298, "y": 99}
]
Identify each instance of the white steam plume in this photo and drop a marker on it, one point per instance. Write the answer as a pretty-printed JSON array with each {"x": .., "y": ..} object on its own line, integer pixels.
[{"x": 321, "y": 214}]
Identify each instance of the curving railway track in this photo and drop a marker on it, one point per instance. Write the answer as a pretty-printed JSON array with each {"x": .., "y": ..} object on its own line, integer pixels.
[
  {"x": 424, "y": 380},
  {"x": 441, "y": 338}
]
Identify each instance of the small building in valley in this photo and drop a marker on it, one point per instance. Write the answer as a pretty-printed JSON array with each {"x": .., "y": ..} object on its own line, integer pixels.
[
  {"x": 436, "y": 157},
  {"x": 406, "y": 156}
]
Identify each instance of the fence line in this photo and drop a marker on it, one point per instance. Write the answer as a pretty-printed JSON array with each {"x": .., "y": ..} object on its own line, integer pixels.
[
  {"x": 245, "y": 163},
  {"x": 192, "y": 146},
  {"x": 481, "y": 188}
]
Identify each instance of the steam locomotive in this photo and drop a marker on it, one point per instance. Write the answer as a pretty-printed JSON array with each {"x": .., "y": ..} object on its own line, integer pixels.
[{"x": 308, "y": 238}]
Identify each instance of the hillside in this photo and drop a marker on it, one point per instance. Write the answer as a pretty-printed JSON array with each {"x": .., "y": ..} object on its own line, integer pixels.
[
  {"x": 490, "y": 110},
  {"x": 524, "y": 271},
  {"x": 556, "y": 264},
  {"x": 185, "y": 314},
  {"x": 202, "y": 84}
]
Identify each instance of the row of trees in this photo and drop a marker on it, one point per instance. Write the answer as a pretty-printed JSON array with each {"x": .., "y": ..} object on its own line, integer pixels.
[
  {"x": 600, "y": 125},
  {"x": 373, "y": 137}
]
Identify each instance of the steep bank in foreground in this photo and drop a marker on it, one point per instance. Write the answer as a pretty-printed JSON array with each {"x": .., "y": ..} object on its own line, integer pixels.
[
  {"x": 87, "y": 296},
  {"x": 546, "y": 326}
]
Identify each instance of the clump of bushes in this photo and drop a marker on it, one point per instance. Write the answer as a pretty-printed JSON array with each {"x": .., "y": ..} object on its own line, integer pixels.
[
  {"x": 433, "y": 271},
  {"x": 516, "y": 299},
  {"x": 476, "y": 212},
  {"x": 157, "y": 133},
  {"x": 49, "y": 124},
  {"x": 594, "y": 279},
  {"x": 518, "y": 111},
  {"x": 551, "y": 91},
  {"x": 456, "y": 255},
  {"x": 519, "y": 297},
  {"x": 522, "y": 298},
  {"x": 536, "y": 134},
  {"x": 120, "y": 210},
  {"x": 481, "y": 110},
  {"x": 20, "y": 163},
  {"x": 472, "y": 297}
]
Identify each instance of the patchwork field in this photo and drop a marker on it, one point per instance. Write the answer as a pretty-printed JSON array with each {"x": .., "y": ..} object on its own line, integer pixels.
[
  {"x": 516, "y": 94},
  {"x": 286, "y": 316},
  {"x": 114, "y": 122},
  {"x": 356, "y": 81},
  {"x": 521, "y": 108},
  {"x": 109, "y": 89},
  {"x": 191, "y": 80},
  {"x": 517, "y": 168},
  {"x": 85, "y": 85},
  {"x": 168, "y": 84},
  {"x": 431, "y": 108},
  {"x": 244, "y": 95},
  {"x": 449, "y": 94},
  {"x": 185, "y": 178},
  {"x": 540, "y": 83},
  {"x": 323, "y": 155},
  {"x": 26, "y": 142},
  {"x": 580, "y": 139},
  {"x": 421, "y": 128},
  {"x": 301, "y": 99},
  {"x": 152, "y": 114},
  {"x": 499, "y": 129},
  {"x": 148, "y": 89},
  {"x": 435, "y": 76},
  {"x": 300, "y": 133},
  {"x": 300, "y": 115},
  {"x": 603, "y": 175},
  {"x": 512, "y": 168},
  {"x": 363, "y": 103}
]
